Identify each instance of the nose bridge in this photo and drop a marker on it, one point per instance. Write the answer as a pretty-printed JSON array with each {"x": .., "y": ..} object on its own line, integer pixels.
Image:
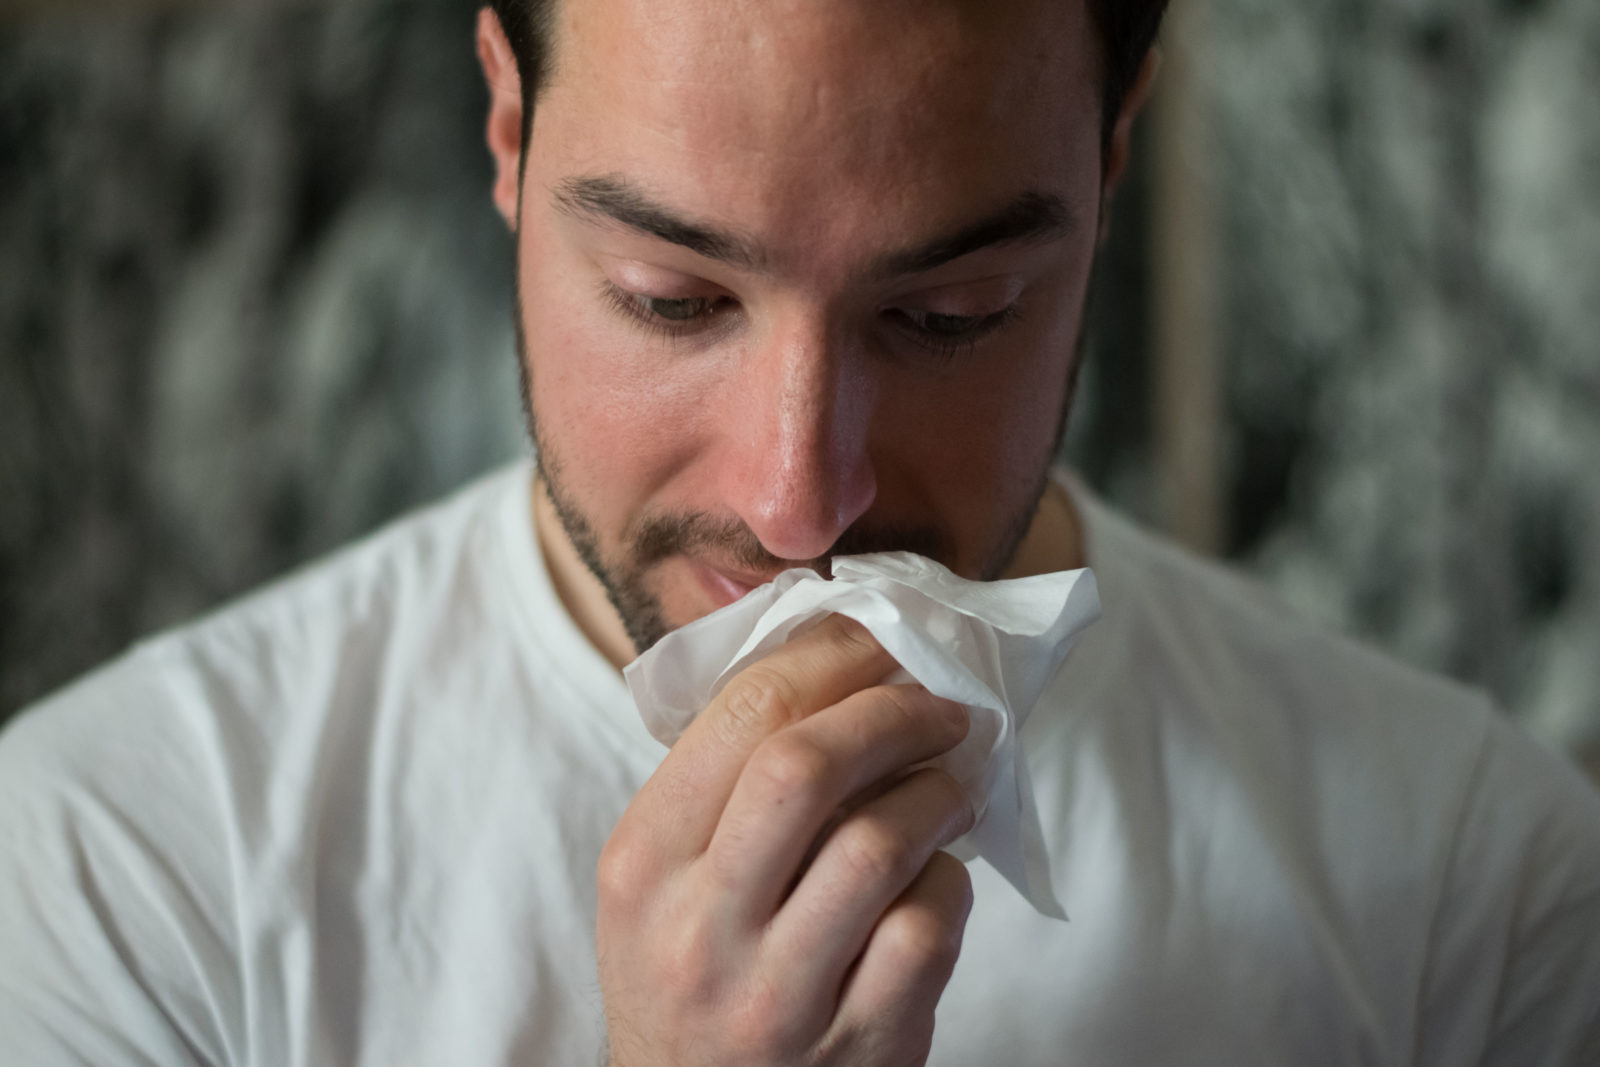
[
  {"x": 819, "y": 415},
  {"x": 807, "y": 474}
]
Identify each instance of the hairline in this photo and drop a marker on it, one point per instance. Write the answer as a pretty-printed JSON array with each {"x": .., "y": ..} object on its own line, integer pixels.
[{"x": 541, "y": 21}]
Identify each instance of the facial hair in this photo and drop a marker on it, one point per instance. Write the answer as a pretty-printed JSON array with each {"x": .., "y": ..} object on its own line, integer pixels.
[
  {"x": 657, "y": 538},
  {"x": 653, "y": 539}
]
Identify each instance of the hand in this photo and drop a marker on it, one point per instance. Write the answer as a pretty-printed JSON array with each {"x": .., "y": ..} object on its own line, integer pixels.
[{"x": 719, "y": 943}]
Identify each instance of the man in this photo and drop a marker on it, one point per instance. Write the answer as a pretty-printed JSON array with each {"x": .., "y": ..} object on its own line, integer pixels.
[{"x": 794, "y": 280}]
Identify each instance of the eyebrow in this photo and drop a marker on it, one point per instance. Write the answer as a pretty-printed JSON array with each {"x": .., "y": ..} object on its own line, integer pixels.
[
  {"x": 1032, "y": 217},
  {"x": 618, "y": 200}
]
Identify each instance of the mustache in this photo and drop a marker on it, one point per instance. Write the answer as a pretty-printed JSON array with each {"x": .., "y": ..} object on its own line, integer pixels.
[{"x": 732, "y": 541}]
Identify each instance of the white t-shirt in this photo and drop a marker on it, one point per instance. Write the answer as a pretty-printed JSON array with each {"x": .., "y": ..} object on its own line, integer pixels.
[{"x": 354, "y": 819}]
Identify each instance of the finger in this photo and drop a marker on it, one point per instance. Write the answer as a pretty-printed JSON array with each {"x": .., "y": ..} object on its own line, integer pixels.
[
  {"x": 678, "y": 808},
  {"x": 897, "y": 982},
  {"x": 796, "y": 781},
  {"x": 865, "y": 864}
]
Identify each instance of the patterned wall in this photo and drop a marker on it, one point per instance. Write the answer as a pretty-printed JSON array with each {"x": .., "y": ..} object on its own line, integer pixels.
[
  {"x": 253, "y": 301},
  {"x": 1411, "y": 202}
]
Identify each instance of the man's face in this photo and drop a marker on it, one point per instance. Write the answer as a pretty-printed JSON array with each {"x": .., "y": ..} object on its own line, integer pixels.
[{"x": 802, "y": 278}]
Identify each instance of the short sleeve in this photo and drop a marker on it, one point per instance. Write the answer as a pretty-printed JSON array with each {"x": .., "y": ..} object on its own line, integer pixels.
[
  {"x": 1513, "y": 975},
  {"x": 114, "y": 943}
]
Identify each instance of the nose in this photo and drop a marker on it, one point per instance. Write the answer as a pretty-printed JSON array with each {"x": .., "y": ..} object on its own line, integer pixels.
[{"x": 798, "y": 469}]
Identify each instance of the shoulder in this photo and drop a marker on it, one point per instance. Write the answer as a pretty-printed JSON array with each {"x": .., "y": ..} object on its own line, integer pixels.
[
  {"x": 1224, "y": 645},
  {"x": 115, "y": 903},
  {"x": 1452, "y": 862},
  {"x": 1221, "y": 661},
  {"x": 144, "y": 807},
  {"x": 220, "y": 692},
  {"x": 1514, "y": 964},
  {"x": 442, "y": 558}
]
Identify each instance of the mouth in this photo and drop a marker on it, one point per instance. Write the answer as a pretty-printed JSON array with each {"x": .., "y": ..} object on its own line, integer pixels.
[{"x": 724, "y": 586}]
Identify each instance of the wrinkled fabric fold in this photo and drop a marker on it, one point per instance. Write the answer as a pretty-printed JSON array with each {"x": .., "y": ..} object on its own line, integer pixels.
[{"x": 991, "y": 646}]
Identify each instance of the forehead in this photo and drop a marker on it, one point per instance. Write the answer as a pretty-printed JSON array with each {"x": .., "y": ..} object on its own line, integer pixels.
[{"x": 852, "y": 116}]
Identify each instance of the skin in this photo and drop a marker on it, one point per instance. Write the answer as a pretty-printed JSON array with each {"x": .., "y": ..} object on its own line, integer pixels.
[{"x": 783, "y": 373}]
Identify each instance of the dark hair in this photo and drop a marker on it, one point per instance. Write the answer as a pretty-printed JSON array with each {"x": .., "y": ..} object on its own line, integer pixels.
[{"x": 1127, "y": 29}]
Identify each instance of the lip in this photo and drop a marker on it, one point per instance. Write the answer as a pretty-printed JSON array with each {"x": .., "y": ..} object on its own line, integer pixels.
[{"x": 723, "y": 587}]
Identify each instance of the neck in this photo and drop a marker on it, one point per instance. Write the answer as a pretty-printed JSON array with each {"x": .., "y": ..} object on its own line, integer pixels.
[{"x": 1054, "y": 541}]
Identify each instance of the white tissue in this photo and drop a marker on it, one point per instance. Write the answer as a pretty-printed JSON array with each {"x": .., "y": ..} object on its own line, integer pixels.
[{"x": 992, "y": 646}]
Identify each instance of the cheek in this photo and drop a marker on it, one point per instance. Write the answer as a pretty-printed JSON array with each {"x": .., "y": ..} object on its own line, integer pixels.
[
  {"x": 974, "y": 448},
  {"x": 995, "y": 425},
  {"x": 615, "y": 419}
]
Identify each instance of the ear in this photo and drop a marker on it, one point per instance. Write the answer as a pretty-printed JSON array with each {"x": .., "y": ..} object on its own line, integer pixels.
[
  {"x": 504, "y": 132},
  {"x": 1120, "y": 150}
]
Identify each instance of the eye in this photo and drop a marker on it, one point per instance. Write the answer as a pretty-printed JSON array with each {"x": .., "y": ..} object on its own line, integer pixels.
[
  {"x": 949, "y": 335},
  {"x": 683, "y": 310},
  {"x": 666, "y": 316},
  {"x": 944, "y": 325}
]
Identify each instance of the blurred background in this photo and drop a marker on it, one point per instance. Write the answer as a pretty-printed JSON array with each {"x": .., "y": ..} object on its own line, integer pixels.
[{"x": 1346, "y": 334}]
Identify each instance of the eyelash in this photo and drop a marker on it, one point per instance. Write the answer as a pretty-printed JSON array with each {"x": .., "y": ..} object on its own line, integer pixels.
[
  {"x": 631, "y": 306},
  {"x": 944, "y": 347}
]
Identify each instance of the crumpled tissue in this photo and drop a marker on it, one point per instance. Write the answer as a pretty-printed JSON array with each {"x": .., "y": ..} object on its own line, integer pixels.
[{"x": 992, "y": 646}]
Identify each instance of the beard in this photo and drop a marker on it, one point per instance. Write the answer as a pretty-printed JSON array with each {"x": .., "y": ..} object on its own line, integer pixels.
[
  {"x": 625, "y": 575},
  {"x": 653, "y": 539}
]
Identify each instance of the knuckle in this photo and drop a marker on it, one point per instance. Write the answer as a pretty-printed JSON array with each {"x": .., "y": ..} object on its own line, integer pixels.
[
  {"x": 686, "y": 959},
  {"x": 875, "y": 852},
  {"x": 908, "y": 702},
  {"x": 758, "y": 701},
  {"x": 763, "y": 1026},
  {"x": 921, "y": 937},
  {"x": 852, "y": 638},
  {"x": 626, "y": 870},
  {"x": 790, "y": 766},
  {"x": 629, "y": 871},
  {"x": 930, "y": 716}
]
